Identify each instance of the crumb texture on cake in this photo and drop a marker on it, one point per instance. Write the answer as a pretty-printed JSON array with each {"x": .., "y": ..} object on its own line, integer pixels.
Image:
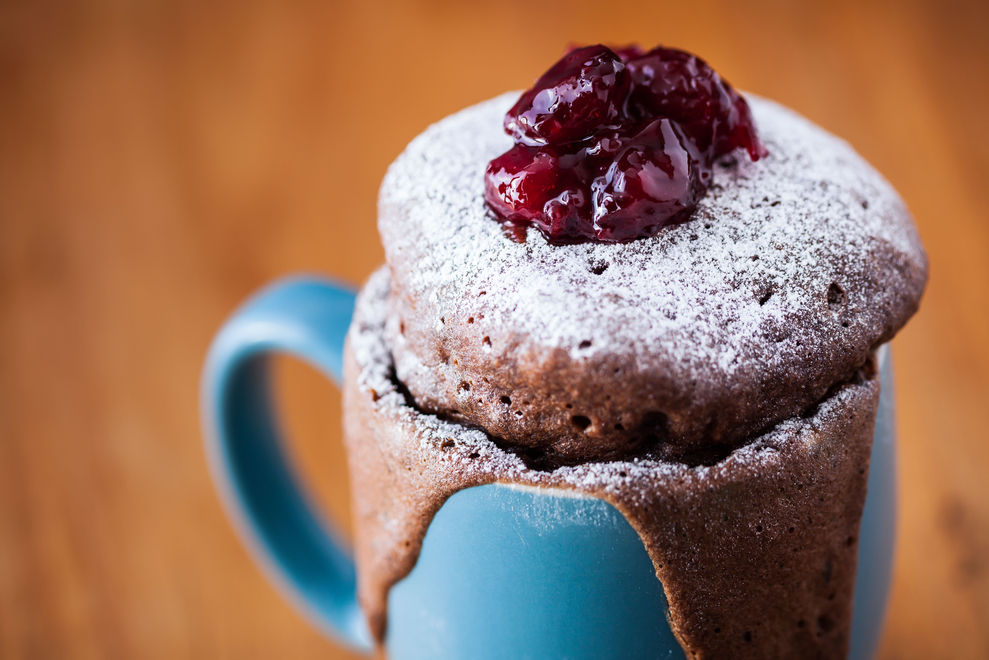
[
  {"x": 756, "y": 552},
  {"x": 792, "y": 270}
]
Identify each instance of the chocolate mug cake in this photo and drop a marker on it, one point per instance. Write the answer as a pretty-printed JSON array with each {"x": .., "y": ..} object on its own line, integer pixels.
[
  {"x": 620, "y": 389},
  {"x": 653, "y": 292}
]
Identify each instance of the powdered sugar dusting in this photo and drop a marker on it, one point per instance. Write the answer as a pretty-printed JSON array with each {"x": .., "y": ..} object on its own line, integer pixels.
[{"x": 762, "y": 250}]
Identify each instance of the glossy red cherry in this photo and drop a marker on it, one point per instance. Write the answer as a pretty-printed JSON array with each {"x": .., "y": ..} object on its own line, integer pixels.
[
  {"x": 667, "y": 82},
  {"x": 583, "y": 92},
  {"x": 655, "y": 180},
  {"x": 564, "y": 218},
  {"x": 518, "y": 183}
]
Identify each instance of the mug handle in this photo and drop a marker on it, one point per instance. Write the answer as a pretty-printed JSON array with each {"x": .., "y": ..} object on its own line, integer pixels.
[{"x": 307, "y": 318}]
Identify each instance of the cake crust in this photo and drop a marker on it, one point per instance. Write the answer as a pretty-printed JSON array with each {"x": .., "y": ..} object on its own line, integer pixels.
[{"x": 683, "y": 345}]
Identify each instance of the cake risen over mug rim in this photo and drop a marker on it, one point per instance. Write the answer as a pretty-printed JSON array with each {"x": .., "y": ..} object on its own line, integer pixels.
[{"x": 790, "y": 272}]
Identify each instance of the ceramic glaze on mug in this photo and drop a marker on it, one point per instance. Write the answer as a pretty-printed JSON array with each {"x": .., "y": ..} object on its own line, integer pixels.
[{"x": 504, "y": 571}]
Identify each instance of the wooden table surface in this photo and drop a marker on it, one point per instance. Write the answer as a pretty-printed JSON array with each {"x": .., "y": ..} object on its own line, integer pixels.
[{"x": 161, "y": 160}]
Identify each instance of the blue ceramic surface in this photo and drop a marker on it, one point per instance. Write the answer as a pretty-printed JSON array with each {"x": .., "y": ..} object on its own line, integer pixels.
[{"x": 504, "y": 571}]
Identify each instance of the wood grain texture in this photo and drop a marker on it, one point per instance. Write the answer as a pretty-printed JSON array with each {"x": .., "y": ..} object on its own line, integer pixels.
[{"x": 160, "y": 160}]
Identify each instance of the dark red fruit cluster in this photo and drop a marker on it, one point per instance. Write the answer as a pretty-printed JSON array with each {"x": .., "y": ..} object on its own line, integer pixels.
[{"x": 614, "y": 145}]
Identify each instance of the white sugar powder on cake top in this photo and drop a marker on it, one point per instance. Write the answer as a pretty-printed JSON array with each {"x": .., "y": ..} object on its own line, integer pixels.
[{"x": 686, "y": 286}]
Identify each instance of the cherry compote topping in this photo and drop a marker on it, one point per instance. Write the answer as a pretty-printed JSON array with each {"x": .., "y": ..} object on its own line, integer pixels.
[
  {"x": 614, "y": 145},
  {"x": 584, "y": 92}
]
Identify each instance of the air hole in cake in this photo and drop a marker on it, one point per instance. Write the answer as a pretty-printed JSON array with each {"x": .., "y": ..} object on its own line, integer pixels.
[
  {"x": 568, "y": 406},
  {"x": 581, "y": 422},
  {"x": 801, "y": 623},
  {"x": 754, "y": 257},
  {"x": 442, "y": 320},
  {"x": 748, "y": 636},
  {"x": 447, "y": 444},
  {"x": 844, "y": 324},
  {"x": 507, "y": 400},
  {"x": 693, "y": 237},
  {"x": 865, "y": 204},
  {"x": 486, "y": 342},
  {"x": 653, "y": 430},
  {"x": 619, "y": 427},
  {"x": 534, "y": 458},
  {"x": 584, "y": 344},
  {"x": 655, "y": 422},
  {"x": 464, "y": 386},
  {"x": 765, "y": 296},
  {"x": 599, "y": 267},
  {"x": 836, "y": 296},
  {"x": 825, "y": 624}
]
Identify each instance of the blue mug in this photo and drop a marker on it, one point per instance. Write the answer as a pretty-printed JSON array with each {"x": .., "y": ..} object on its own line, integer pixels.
[{"x": 495, "y": 555}]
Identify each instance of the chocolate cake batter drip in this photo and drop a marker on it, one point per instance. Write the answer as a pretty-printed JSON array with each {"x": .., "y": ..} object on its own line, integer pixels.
[{"x": 756, "y": 552}]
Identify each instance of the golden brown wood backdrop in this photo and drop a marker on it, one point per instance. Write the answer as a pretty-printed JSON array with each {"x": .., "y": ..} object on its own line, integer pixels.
[{"x": 160, "y": 160}]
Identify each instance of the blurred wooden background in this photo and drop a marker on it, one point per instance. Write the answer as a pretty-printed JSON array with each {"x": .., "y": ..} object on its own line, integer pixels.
[{"x": 160, "y": 160}]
